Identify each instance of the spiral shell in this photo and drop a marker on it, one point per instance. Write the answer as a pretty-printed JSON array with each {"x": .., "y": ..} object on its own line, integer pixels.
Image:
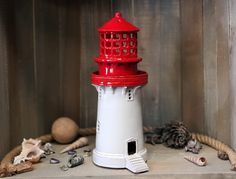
[
  {"x": 83, "y": 141},
  {"x": 200, "y": 161}
]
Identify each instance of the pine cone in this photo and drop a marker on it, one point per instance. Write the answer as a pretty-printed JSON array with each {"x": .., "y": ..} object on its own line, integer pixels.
[{"x": 175, "y": 135}]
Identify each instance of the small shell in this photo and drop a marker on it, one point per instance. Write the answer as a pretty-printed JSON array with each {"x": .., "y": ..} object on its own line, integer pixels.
[
  {"x": 193, "y": 146},
  {"x": 75, "y": 160},
  {"x": 48, "y": 149},
  {"x": 200, "y": 161},
  {"x": 71, "y": 152},
  {"x": 54, "y": 161},
  {"x": 222, "y": 155},
  {"x": 83, "y": 141}
]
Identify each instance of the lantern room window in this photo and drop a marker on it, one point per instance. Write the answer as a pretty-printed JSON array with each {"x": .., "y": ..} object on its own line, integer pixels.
[
  {"x": 116, "y": 36},
  {"x": 118, "y": 44}
]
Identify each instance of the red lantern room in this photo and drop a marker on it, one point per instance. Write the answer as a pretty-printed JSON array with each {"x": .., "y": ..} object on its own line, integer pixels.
[{"x": 118, "y": 55}]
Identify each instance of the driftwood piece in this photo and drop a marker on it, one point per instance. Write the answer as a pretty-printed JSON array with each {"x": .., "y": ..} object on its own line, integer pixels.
[
  {"x": 23, "y": 167},
  {"x": 7, "y": 168},
  {"x": 83, "y": 141},
  {"x": 218, "y": 145}
]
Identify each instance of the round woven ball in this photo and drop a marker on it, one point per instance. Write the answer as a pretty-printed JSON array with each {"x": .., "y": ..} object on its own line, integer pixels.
[{"x": 64, "y": 130}]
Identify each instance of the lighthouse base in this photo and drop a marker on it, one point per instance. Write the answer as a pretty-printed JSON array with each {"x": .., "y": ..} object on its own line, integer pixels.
[{"x": 135, "y": 163}]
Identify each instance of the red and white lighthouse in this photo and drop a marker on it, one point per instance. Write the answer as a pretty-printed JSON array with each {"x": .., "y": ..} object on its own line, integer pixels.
[{"x": 119, "y": 138}]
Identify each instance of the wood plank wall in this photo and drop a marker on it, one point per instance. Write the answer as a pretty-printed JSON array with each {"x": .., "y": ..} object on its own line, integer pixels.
[{"x": 47, "y": 49}]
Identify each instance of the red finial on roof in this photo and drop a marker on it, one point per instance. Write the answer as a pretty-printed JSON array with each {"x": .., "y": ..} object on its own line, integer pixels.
[
  {"x": 118, "y": 15},
  {"x": 118, "y": 24}
]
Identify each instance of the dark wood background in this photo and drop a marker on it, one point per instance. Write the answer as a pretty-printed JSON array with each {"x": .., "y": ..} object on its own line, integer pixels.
[{"x": 47, "y": 49}]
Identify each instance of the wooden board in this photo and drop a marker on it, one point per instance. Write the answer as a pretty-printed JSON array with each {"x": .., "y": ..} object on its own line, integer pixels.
[
  {"x": 232, "y": 42},
  {"x": 216, "y": 69},
  {"x": 22, "y": 82},
  {"x": 163, "y": 163},
  {"x": 89, "y": 22},
  {"x": 192, "y": 65},
  {"x": 4, "y": 87},
  {"x": 210, "y": 67},
  {"x": 149, "y": 49},
  {"x": 170, "y": 62},
  {"x": 223, "y": 71}
]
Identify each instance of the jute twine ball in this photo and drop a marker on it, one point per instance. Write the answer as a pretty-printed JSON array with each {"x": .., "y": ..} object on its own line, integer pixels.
[{"x": 64, "y": 130}]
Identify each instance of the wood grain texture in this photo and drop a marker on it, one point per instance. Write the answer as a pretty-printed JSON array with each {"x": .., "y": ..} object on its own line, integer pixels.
[
  {"x": 47, "y": 62},
  {"x": 217, "y": 69},
  {"x": 22, "y": 77},
  {"x": 89, "y": 50},
  {"x": 170, "y": 62},
  {"x": 69, "y": 58},
  {"x": 4, "y": 87},
  {"x": 47, "y": 56},
  {"x": 192, "y": 65},
  {"x": 210, "y": 67},
  {"x": 223, "y": 72},
  {"x": 147, "y": 18},
  {"x": 232, "y": 39}
]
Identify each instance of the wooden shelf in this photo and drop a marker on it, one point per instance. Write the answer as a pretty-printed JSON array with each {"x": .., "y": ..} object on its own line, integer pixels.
[{"x": 164, "y": 163}]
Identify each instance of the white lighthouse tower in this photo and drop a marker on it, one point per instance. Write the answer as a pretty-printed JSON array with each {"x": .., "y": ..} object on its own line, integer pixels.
[{"x": 119, "y": 137}]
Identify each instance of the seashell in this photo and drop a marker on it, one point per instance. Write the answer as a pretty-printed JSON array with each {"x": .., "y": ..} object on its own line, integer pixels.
[
  {"x": 75, "y": 160},
  {"x": 222, "y": 155},
  {"x": 30, "y": 151},
  {"x": 71, "y": 152},
  {"x": 83, "y": 141},
  {"x": 193, "y": 146},
  {"x": 54, "y": 161},
  {"x": 200, "y": 161},
  {"x": 48, "y": 149}
]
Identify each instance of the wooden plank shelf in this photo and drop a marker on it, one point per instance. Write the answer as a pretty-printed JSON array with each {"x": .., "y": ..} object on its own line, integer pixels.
[{"x": 164, "y": 163}]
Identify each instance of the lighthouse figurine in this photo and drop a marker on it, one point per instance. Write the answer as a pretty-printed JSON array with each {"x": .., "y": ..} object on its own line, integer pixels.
[{"x": 119, "y": 130}]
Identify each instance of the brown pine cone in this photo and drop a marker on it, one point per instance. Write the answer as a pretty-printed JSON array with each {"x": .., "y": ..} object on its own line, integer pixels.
[{"x": 175, "y": 135}]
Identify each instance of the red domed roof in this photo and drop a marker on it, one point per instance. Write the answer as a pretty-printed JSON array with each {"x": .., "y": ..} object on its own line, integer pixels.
[{"x": 118, "y": 24}]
